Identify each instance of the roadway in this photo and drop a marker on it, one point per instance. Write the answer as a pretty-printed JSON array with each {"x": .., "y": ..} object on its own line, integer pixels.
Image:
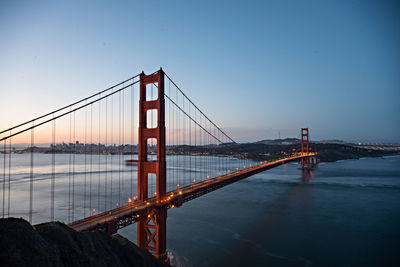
[{"x": 112, "y": 220}]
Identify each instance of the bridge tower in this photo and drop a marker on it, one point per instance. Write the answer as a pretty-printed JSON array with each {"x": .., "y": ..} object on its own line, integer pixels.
[
  {"x": 151, "y": 231},
  {"x": 305, "y": 163}
]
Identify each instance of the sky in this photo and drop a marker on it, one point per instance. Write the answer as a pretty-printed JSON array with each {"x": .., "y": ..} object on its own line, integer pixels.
[{"x": 256, "y": 68}]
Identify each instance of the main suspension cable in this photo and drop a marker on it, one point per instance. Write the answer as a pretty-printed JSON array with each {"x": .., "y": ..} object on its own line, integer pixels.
[{"x": 68, "y": 106}]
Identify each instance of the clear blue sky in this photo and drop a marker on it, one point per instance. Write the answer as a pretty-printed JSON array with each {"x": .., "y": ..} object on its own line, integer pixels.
[{"x": 255, "y": 68}]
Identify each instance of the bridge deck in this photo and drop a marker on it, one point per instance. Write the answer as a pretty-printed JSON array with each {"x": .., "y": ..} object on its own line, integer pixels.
[{"x": 120, "y": 217}]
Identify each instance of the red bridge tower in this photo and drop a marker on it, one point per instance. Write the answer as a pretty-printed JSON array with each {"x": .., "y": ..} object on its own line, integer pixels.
[
  {"x": 151, "y": 231},
  {"x": 305, "y": 163}
]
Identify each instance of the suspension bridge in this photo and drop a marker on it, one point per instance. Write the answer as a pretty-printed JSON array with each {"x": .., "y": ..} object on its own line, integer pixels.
[{"x": 124, "y": 155}]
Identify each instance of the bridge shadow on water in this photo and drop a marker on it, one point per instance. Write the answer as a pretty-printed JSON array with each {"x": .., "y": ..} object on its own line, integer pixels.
[
  {"x": 267, "y": 236},
  {"x": 311, "y": 223}
]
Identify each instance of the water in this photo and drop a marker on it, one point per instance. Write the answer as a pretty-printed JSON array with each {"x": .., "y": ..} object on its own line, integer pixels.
[
  {"x": 344, "y": 213},
  {"x": 347, "y": 214},
  {"x": 89, "y": 184}
]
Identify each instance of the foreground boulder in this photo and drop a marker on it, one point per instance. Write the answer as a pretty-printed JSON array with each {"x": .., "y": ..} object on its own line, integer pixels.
[{"x": 55, "y": 244}]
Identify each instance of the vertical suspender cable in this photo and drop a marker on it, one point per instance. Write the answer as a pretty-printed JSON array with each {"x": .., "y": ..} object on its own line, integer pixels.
[
  {"x": 112, "y": 147},
  {"x": 91, "y": 160},
  {"x": 169, "y": 138},
  {"x": 53, "y": 167},
  {"x": 85, "y": 171},
  {"x": 195, "y": 145},
  {"x": 174, "y": 131},
  {"x": 99, "y": 157},
  {"x": 73, "y": 172},
  {"x": 119, "y": 148},
  {"x": 172, "y": 141},
  {"x": 31, "y": 176},
  {"x": 209, "y": 152},
  {"x": 184, "y": 142},
  {"x": 69, "y": 168},
  {"x": 202, "y": 150},
  {"x": 132, "y": 137},
  {"x": 4, "y": 176},
  {"x": 105, "y": 157},
  {"x": 181, "y": 126},
  {"x": 123, "y": 146},
  {"x": 9, "y": 178},
  {"x": 179, "y": 140},
  {"x": 181, "y": 147}
]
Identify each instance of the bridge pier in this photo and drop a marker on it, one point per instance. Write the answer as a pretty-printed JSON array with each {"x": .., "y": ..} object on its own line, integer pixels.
[
  {"x": 152, "y": 230},
  {"x": 152, "y": 233}
]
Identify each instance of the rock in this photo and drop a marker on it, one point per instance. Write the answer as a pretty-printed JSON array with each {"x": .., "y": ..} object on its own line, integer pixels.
[{"x": 55, "y": 244}]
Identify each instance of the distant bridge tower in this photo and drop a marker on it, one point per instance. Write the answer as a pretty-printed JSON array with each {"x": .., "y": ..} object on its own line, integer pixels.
[
  {"x": 152, "y": 229},
  {"x": 305, "y": 163}
]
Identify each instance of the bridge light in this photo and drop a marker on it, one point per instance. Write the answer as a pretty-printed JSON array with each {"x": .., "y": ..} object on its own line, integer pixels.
[
  {"x": 129, "y": 200},
  {"x": 177, "y": 185}
]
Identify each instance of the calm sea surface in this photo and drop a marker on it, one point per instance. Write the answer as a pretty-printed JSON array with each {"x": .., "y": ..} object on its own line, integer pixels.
[{"x": 345, "y": 213}]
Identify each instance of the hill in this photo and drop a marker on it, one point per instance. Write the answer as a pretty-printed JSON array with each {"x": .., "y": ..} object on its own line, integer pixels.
[{"x": 55, "y": 244}]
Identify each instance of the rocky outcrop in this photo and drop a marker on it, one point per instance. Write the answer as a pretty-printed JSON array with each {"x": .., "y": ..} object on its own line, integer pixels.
[{"x": 55, "y": 244}]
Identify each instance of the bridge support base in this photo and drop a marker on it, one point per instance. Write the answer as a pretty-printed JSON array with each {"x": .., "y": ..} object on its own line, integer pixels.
[{"x": 152, "y": 233}]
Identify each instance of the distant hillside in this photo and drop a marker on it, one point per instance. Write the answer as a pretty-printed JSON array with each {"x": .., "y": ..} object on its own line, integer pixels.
[
  {"x": 281, "y": 148},
  {"x": 326, "y": 152},
  {"x": 334, "y": 152},
  {"x": 291, "y": 141}
]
